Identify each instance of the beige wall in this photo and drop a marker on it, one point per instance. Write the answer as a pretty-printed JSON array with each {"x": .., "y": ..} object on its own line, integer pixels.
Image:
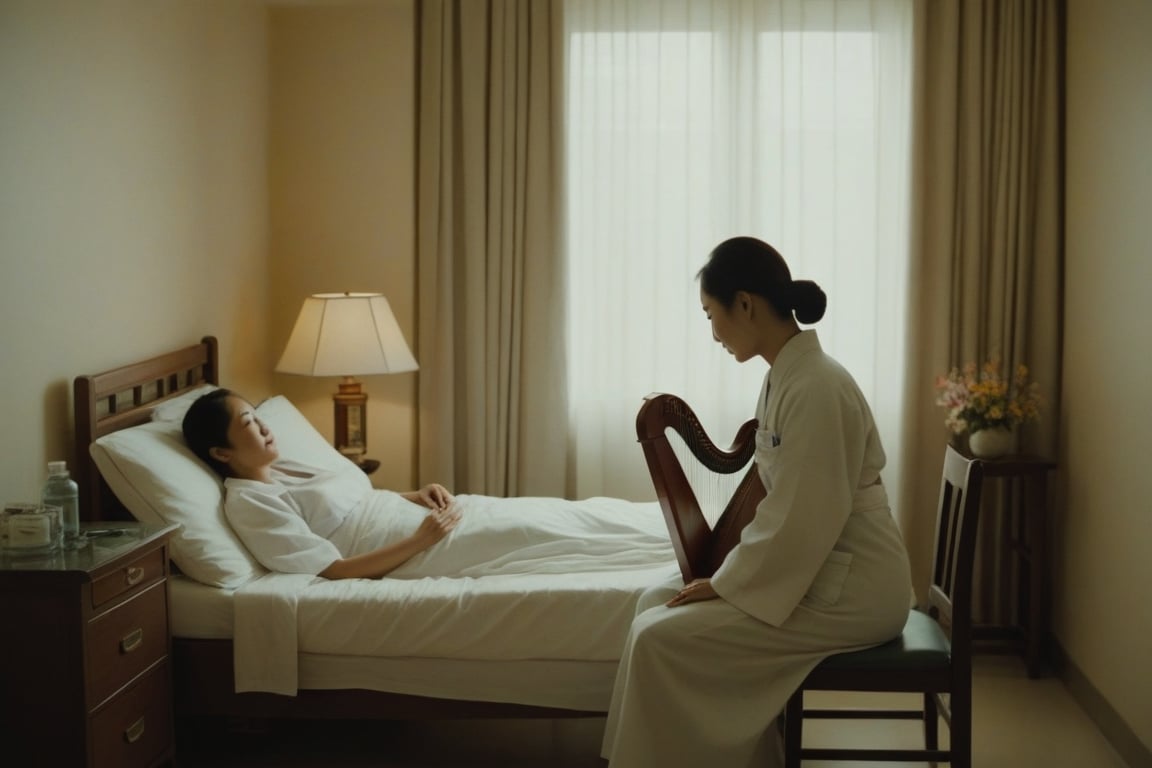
[
  {"x": 132, "y": 201},
  {"x": 341, "y": 193},
  {"x": 138, "y": 210},
  {"x": 1103, "y": 616}
]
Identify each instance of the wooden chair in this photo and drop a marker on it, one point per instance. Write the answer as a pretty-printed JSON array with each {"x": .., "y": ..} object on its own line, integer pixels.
[
  {"x": 700, "y": 547},
  {"x": 933, "y": 655}
]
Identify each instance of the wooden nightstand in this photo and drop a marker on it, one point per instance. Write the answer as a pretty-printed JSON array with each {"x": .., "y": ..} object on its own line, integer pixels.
[
  {"x": 1022, "y": 567},
  {"x": 85, "y": 678}
]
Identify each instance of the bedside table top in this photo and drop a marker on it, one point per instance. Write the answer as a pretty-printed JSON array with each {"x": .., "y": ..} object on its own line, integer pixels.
[{"x": 100, "y": 551}]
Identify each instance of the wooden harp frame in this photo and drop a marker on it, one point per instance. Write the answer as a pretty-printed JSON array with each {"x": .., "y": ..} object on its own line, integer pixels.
[{"x": 700, "y": 548}]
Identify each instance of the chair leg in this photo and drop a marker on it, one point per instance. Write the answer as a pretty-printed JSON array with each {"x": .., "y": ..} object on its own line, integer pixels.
[
  {"x": 960, "y": 730},
  {"x": 931, "y": 722},
  {"x": 793, "y": 729}
]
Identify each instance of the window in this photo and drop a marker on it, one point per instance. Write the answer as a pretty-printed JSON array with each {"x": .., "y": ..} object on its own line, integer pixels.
[{"x": 690, "y": 122}]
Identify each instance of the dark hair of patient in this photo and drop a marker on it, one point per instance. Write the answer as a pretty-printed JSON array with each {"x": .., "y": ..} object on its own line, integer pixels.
[
  {"x": 751, "y": 265},
  {"x": 206, "y": 426}
]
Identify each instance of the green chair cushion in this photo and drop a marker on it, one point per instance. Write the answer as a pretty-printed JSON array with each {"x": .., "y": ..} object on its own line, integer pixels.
[{"x": 921, "y": 645}]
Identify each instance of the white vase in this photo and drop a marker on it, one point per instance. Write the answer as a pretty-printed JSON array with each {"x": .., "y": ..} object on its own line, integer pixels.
[{"x": 991, "y": 443}]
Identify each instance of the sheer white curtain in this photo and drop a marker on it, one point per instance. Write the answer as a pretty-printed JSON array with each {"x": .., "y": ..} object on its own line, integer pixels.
[{"x": 690, "y": 122}]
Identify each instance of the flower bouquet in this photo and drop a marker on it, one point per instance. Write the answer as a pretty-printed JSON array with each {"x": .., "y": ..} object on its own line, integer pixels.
[{"x": 983, "y": 400}]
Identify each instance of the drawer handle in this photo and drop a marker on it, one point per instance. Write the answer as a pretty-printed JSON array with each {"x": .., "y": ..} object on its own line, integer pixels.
[
  {"x": 133, "y": 732},
  {"x": 132, "y": 641},
  {"x": 133, "y": 575}
]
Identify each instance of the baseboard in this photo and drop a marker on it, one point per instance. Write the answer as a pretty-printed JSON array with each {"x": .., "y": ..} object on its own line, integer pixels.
[{"x": 1108, "y": 720}]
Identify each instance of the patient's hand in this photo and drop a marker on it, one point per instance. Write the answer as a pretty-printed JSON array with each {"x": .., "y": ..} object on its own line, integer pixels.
[
  {"x": 434, "y": 496},
  {"x": 438, "y": 524}
]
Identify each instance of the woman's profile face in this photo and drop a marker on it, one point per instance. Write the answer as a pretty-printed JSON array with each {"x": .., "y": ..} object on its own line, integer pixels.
[
  {"x": 730, "y": 325},
  {"x": 250, "y": 442}
]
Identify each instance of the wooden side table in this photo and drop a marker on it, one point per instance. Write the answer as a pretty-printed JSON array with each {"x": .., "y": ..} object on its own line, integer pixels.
[
  {"x": 85, "y": 677},
  {"x": 1028, "y": 547}
]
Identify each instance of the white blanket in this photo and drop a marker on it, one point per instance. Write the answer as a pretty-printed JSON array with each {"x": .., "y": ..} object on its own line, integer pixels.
[
  {"x": 264, "y": 644},
  {"x": 570, "y": 601}
]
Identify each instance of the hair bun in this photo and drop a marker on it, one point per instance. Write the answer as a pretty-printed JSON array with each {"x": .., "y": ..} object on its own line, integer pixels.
[{"x": 808, "y": 301}]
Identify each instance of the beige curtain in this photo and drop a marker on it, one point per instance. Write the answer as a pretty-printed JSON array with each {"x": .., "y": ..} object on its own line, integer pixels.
[
  {"x": 489, "y": 274},
  {"x": 987, "y": 246}
]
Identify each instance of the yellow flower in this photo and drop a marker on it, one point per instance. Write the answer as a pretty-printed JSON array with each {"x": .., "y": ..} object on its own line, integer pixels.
[{"x": 978, "y": 397}]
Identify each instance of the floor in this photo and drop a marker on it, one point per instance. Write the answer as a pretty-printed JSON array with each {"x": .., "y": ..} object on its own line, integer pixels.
[{"x": 1019, "y": 723}]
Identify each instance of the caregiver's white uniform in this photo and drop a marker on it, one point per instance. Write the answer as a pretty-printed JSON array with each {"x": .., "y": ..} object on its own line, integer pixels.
[
  {"x": 308, "y": 518},
  {"x": 820, "y": 569}
]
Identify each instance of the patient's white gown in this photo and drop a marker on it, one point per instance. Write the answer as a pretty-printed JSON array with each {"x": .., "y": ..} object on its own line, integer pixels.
[{"x": 308, "y": 518}]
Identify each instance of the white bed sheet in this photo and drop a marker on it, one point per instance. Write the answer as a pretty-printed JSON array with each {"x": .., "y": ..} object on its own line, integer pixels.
[
  {"x": 199, "y": 611},
  {"x": 554, "y": 641}
]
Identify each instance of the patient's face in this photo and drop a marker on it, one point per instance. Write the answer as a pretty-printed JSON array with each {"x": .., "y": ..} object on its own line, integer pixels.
[{"x": 251, "y": 443}]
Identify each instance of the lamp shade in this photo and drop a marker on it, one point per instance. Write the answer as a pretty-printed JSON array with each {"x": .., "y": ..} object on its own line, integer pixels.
[{"x": 346, "y": 334}]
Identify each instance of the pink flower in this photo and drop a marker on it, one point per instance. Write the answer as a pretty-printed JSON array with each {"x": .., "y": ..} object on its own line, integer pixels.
[{"x": 978, "y": 397}]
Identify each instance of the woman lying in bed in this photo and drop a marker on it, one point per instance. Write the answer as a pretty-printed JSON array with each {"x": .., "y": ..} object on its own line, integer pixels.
[{"x": 300, "y": 519}]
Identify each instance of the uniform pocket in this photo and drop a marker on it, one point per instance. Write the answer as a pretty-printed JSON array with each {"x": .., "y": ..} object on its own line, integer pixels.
[
  {"x": 766, "y": 440},
  {"x": 767, "y": 447},
  {"x": 829, "y": 581}
]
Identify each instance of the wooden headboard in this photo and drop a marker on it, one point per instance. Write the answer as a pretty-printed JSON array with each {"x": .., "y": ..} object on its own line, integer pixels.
[{"x": 124, "y": 397}]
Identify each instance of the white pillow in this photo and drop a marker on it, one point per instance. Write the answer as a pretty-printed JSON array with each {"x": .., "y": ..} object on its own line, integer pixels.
[
  {"x": 159, "y": 480},
  {"x": 174, "y": 409}
]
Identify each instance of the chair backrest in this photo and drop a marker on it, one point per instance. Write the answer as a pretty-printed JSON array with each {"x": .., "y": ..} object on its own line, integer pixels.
[
  {"x": 700, "y": 547},
  {"x": 957, "y": 516}
]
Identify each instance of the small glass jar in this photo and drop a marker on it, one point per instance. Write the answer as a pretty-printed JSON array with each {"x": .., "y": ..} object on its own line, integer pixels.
[{"x": 29, "y": 528}]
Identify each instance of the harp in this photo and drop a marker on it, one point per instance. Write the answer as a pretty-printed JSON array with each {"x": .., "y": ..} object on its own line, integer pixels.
[{"x": 702, "y": 534}]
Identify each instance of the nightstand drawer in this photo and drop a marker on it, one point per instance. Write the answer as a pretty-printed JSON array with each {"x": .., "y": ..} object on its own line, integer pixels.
[
  {"x": 132, "y": 576},
  {"x": 136, "y": 727},
  {"x": 125, "y": 641}
]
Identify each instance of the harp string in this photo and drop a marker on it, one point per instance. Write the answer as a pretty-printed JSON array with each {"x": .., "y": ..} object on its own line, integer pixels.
[{"x": 713, "y": 490}]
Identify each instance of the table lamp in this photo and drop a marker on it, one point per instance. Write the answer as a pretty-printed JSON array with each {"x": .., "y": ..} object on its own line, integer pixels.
[{"x": 347, "y": 335}]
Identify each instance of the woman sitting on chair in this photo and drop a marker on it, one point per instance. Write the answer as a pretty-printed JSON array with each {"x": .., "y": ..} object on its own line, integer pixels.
[
  {"x": 332, "y": 523},
  {"x": 820, "y": 569}
]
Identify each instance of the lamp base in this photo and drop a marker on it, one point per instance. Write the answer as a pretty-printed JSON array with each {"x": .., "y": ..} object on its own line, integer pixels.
[
  {"x": 350, "y": 417},
  {"x": 368, "y": 465}
]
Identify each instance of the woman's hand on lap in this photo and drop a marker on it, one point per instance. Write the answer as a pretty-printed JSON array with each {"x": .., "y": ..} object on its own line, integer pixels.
[{"x": 693, "y": 592}]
